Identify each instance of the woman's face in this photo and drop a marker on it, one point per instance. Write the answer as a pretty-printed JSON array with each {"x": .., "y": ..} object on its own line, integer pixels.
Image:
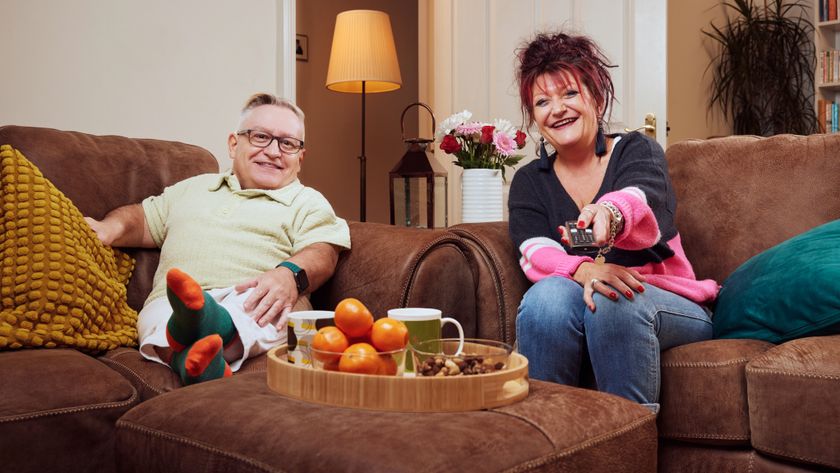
[{"x": 564, "y": 111}]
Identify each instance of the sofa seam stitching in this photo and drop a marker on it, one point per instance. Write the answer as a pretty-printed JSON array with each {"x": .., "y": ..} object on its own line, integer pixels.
[
  {"x": 109, "y": 361},
  {"x": 72, "y": 410},
  {"x": 703, "y": 436},
  {"x": 196, "y": 444},
  {"x": 531, "y": 464},
  {"x": 792, "y": 374},
  {"x": 704, "y": 364},
  {"x": 785, "y": 453}
]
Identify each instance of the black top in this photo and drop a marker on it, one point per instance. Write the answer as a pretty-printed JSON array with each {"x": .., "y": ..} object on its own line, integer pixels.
[{"x": 539, "y": 204}]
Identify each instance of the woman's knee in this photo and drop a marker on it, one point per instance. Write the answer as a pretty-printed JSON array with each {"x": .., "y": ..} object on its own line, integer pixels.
[{"x": 547, "y": 302}]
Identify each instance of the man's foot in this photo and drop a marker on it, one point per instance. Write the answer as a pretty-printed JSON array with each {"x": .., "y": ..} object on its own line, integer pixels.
[
  {"x": 203, "y": 361},
  {"x": 195, "y": 314}
]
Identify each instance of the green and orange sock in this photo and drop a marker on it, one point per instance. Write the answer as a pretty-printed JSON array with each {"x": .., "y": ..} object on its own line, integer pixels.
[
  {"x": 194, "y": 313},
  {"x": 198, "y": 330},
  {"x": 202, "y": 361}
]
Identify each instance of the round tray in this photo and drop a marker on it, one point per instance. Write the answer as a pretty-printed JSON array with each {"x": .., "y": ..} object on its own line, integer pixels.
[{"x": 399, "y": 393}]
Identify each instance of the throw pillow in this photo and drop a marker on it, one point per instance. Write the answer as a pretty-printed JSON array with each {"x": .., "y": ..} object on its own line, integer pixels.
[
  {"x": 59, "y": 285},
  {"x": 788, "y": 291}
]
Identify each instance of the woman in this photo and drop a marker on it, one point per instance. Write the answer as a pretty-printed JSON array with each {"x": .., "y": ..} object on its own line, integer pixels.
[{"x": 635, "y": 294}]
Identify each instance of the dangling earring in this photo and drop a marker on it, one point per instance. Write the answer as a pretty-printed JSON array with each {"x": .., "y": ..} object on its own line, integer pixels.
[
  {"x": 543, "y": 152},
  {"x": 600, "y": 142}
]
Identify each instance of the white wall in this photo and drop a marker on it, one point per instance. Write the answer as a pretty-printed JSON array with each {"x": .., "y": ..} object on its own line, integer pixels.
[{"x": 176, "y": 70}]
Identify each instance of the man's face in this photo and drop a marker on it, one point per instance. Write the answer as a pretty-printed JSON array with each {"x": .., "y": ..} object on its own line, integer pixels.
[{"x": 269, "y": 167}]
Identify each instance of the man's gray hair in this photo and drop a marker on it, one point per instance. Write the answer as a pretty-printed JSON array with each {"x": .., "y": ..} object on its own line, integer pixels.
[{"x": 260, "y": 99}]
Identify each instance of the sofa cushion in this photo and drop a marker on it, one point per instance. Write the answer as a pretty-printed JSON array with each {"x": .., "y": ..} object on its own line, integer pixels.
[
  {"x": 60, "y": 286},
  {"x": 239, "y": 424},
  {"x": 739, "y": 195},
  {"x": 151, "y": 378},
  {"x": 58, "y": 411},
  {"x": 794, "y": 408},
  {"x": 703, "y": 396},
  {"x": 785, "y": 292}
]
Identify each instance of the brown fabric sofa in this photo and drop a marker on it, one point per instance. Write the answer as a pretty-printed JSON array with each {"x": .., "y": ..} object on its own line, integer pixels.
[
  {"x": 727, "y": 405},
  {"x": 67, "y": 411}
]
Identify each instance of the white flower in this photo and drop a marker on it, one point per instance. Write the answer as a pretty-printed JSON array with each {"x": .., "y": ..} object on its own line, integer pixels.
[
  {"x": 450, "y": 123},
  {"x": 504, "y": 126}
]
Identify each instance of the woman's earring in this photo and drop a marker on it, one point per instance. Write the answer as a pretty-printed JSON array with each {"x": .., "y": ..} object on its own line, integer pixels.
[
  {"x": 600, "y": 142},
  {"x": 543, "y": 152}
]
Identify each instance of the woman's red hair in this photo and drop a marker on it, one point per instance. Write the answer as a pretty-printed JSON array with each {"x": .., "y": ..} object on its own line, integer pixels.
[{"x": 558, "y": 53}]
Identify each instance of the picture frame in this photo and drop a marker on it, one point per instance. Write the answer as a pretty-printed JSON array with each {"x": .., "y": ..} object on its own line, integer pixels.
[{"x": 302, "y": 47}]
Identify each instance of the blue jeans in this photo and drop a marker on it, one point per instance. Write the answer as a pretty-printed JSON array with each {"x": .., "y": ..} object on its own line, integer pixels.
[{"x": 556, "y": 330}]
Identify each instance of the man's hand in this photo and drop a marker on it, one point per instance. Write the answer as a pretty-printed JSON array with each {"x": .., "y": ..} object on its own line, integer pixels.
[
  {"x": 608, "y": 278},
  {"x": 104, "y": 232},
  {"x": 273, "y": 297}
]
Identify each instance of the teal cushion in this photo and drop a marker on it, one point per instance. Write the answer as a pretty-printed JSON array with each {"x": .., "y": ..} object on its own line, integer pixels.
[{"x": 790, "y": 291}]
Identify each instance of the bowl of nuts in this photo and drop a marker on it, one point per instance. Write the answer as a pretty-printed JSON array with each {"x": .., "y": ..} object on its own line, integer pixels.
[{"x": 441, "y": 357}]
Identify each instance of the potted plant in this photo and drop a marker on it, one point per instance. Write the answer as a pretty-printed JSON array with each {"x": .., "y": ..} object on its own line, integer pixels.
[
  {"x": 764, "y": 70},
  {"x": 484, "y": 150}
]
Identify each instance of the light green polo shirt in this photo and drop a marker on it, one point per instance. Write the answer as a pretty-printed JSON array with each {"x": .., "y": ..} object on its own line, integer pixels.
[{"x": 221, "y": 235}]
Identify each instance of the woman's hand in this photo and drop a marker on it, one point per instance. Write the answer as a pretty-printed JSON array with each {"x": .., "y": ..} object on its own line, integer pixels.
[
  {"x": 608, "y": 279},
  {"x": 594, "y": 215}
]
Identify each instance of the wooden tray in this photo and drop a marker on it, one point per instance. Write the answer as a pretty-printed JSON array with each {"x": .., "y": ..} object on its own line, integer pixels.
[{"x": 399, "y": 393}]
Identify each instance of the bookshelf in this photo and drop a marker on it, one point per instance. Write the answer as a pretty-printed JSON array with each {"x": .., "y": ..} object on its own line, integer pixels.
[{"x": 827, "y": 75}]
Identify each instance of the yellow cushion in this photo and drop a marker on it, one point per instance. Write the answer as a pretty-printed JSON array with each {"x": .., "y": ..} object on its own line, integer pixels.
[{"x": 59, "y": 285}]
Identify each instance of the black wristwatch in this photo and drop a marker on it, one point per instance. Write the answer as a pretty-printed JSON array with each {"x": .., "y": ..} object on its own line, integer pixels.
[{"x": 301, "y": 280}]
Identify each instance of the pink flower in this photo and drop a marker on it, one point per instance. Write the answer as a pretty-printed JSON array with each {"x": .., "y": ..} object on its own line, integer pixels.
[
  {"x": 450, "y": 144},
  {"x": 520, "y": 139},
  {"x": 504, "y": 143},
  {"x": 487, "y": 134},
  {"x": 466, "y": 129}
]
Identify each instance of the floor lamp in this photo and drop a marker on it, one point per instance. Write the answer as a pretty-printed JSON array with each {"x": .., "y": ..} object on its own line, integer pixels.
[{"x": 363, "y": 60}]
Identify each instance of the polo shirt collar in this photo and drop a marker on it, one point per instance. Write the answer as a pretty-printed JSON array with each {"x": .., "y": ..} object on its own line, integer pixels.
[{"x": 285, "y": 195}]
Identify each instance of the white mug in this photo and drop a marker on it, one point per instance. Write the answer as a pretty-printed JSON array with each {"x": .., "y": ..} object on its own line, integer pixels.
[
  {"x": 424, "y": 324},
  {"x": 302, "y": 327}
]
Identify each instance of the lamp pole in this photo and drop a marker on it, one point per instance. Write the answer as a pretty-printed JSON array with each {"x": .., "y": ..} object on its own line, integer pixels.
[{"x": 362, "y": 164}]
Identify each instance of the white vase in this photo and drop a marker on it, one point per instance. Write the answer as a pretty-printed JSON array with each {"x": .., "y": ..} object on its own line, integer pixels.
[{"x": 481, "y": 195}]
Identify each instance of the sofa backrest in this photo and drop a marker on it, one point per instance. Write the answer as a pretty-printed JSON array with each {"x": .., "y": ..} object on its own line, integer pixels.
[
  {"x": 739, "y": 195},
  {"x": 100, "y": 173}
]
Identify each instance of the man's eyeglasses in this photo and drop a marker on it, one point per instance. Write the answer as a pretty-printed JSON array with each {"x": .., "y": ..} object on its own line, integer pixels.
[{"x": 261, "y": 139}]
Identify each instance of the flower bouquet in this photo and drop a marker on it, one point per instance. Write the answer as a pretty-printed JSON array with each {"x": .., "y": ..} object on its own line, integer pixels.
[{"x": 478, "y": 145}]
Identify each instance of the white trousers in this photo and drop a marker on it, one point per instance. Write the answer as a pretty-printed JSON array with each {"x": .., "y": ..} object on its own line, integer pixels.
[{"x": 253, "y": 340}]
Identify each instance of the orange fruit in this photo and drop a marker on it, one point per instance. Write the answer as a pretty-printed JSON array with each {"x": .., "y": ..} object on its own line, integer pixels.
[
  {"x": 359, "y": 358},
  {"x": 387, "y": 365},
  {"x": 353, "y": 318},
  {"x": 329, "y": 339},
  {"x": 389, "y": 334}
]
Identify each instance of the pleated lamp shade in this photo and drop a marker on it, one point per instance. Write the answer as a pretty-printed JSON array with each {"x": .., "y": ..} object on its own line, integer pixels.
[{"x": 363, "y": 50}]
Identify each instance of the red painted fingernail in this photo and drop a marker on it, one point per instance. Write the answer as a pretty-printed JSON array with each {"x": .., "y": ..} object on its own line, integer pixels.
[
  {"x": 641, "y": 289},
  {"x": 629, "y": 293},
  {"x": 613, "y": 295},
  {"x": 561, "y": 229},
  {"x": 581, "y": 224},
  {"x": 564, "y": 241}
]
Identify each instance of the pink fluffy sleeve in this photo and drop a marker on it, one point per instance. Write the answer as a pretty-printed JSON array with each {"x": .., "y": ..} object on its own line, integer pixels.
[{"x": 640, "y": 228}]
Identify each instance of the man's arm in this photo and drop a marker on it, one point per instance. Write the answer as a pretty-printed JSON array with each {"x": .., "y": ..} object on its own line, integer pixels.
[
  {"x": 275, "y": 291},
  {"x": 124, "y": 226}
]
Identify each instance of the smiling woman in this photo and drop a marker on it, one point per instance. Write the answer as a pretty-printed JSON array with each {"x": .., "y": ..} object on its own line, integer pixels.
[{"x": 639, "y": 280}]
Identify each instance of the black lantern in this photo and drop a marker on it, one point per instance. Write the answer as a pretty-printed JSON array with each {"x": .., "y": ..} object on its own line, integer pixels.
[{"x": 418, "y": 183}]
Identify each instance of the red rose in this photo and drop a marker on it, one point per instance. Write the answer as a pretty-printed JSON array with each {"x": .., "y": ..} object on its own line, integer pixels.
[
  {"x": 450, "y": 145},
  {"x": 487, "y": 134},
  {"x": 520, "y": 139}
]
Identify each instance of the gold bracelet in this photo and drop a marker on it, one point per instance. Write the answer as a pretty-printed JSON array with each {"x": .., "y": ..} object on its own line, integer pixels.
[{"x": 616, "y": 225}]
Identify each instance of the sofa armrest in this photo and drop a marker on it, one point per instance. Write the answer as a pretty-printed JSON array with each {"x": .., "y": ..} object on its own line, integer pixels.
[
  {"x": 500, "y": 282},
  {"x": 390, "y": 267}
]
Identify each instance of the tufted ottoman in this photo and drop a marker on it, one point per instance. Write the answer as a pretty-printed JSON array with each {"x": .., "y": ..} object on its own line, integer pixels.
[{"x": 239, "y": 424}]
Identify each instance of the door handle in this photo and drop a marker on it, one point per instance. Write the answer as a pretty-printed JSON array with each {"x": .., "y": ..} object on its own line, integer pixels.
[{"x": 649, "y": 127}]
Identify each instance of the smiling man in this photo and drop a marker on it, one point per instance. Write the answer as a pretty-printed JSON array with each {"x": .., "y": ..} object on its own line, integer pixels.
[{"x": 239, "y": 249}]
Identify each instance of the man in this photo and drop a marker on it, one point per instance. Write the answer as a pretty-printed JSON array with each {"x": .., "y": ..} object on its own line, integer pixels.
[{"x": 239, "y": 249}]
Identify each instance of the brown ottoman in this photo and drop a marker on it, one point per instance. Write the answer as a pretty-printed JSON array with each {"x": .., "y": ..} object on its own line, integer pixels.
[{"x": 239, "y": 424}]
